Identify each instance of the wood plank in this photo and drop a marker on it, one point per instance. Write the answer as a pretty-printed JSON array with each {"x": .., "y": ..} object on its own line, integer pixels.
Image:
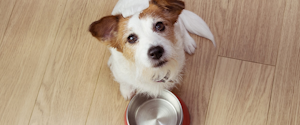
[
  {"x": 199, "y": 71},
  {"x": 6, "y": 7},
  {"x": 197, "y": 81},
  {"x": 24, "y": 53},
  {"x": 109, "y": 106},
  {"x": 285, "y": 103},
  {"x": 73, "y": 68},
  {"x": 240, "y": 94},
  {"x": 252, "y": 30}
]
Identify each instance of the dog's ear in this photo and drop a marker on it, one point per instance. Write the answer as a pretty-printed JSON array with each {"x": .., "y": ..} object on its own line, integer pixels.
[
  {"x": 105, "y": 29},
  {"x": 171, "y": 8}
]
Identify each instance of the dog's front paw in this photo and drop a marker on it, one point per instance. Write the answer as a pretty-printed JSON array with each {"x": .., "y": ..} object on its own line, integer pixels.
[
  {"x": 128, "y": 96},
  {"x": 189, "y": 45},
  {"x": 127, "y": 91}
]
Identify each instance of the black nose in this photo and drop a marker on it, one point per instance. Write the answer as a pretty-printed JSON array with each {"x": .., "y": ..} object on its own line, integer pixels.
[{"x": 156, "y": 52}]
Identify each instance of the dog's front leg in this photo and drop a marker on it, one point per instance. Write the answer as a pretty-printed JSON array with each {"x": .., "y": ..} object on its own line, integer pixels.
[
  {"x": 127, "y": 91},
  {"x": 196, "y": 25},
  {"x": 188, "y": 42}
]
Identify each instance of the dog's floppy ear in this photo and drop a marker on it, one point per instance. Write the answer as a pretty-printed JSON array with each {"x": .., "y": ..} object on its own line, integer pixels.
[
  {"x": 105, "y": 29},
  {"x": 171, "y": 8}
]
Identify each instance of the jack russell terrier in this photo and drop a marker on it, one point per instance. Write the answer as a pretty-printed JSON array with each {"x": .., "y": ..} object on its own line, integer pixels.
[{"x": 147, "y": 40}]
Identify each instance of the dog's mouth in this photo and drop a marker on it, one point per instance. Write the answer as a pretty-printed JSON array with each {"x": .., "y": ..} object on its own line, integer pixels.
[
  {"x": 160, "y": 64},
  {"x": 164, "y": 79}
]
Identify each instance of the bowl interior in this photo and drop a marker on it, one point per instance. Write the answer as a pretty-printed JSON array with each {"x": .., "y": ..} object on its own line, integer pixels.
[{"x": 144, "y": 110}]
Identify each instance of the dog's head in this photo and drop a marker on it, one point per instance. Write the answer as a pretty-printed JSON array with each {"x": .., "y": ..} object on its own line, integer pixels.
[{"x": 146, "y": 38}]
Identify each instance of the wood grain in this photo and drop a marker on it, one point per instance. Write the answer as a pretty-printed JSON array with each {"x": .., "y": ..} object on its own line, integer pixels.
[
  {"x": 240, "y": 94},
  {"x": 194, "y": 87},
  {"x": 24, "y": 53},
  {"x": 252, "y": 30},
  {"x": 53, "y": 72},
  {"x": 285, "y": 104},
  {"x": 6, "y": 7},
  {"x": 109, "y": 106},
  {"x": 199, "y": 71},
  {"x": 69, "y": 83}
]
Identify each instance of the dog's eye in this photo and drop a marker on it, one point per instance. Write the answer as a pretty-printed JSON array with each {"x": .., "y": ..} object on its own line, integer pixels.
[
  {"x": 132, "y": 38},
  {"x": 159, "y": 26}
]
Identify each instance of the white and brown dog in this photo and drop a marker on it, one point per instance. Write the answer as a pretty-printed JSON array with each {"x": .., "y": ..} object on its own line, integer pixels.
[{"x": 147, "y": 48}]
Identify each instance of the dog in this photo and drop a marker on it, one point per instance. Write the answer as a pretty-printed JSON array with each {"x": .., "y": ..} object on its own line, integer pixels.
[{"x": 148, "y": 48}]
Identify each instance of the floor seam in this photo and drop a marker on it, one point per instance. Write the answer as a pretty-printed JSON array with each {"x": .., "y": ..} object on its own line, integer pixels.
[
  {"x": 48, "y": 62},
  {"x": 247, "y": 61},
  {"x": 95, "y": 88}
]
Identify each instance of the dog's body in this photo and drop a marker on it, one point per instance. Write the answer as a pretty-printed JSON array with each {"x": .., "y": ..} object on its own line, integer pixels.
[{"x": 147, "y": 48}]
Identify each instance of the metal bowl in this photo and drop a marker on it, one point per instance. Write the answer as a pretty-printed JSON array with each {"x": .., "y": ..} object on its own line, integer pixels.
[{"x": 166, "y": 109}]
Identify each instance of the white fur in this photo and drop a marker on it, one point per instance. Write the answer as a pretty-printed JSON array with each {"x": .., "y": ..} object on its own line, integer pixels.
[
  {"x": 140, "y": 76},
  {"x": 130, "y": 7},
  {"x": 189, "y": 42},
  {"x": 196, "y": 25},
  {"x": 192, "y": 22}
]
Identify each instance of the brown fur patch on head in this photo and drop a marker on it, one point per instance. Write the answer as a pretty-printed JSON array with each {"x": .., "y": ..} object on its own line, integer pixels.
[
  {"x": 105, "y": 30},
  {"x": 170, "y": 9},
  {"x": 127, "y": 48},
  {"x": 112, "y": 30},
  {"x": 166, "y": 12}
]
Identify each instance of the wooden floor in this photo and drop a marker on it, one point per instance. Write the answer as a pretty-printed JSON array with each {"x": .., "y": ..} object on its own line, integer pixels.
[{"x": 52, "y": 72}]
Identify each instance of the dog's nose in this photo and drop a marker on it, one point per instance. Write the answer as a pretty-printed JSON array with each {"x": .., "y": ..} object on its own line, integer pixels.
[{"x": 156, "y": 52}]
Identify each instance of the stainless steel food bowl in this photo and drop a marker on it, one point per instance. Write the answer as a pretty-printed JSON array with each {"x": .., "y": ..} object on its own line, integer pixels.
[{"x": 163, "y": 110}]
